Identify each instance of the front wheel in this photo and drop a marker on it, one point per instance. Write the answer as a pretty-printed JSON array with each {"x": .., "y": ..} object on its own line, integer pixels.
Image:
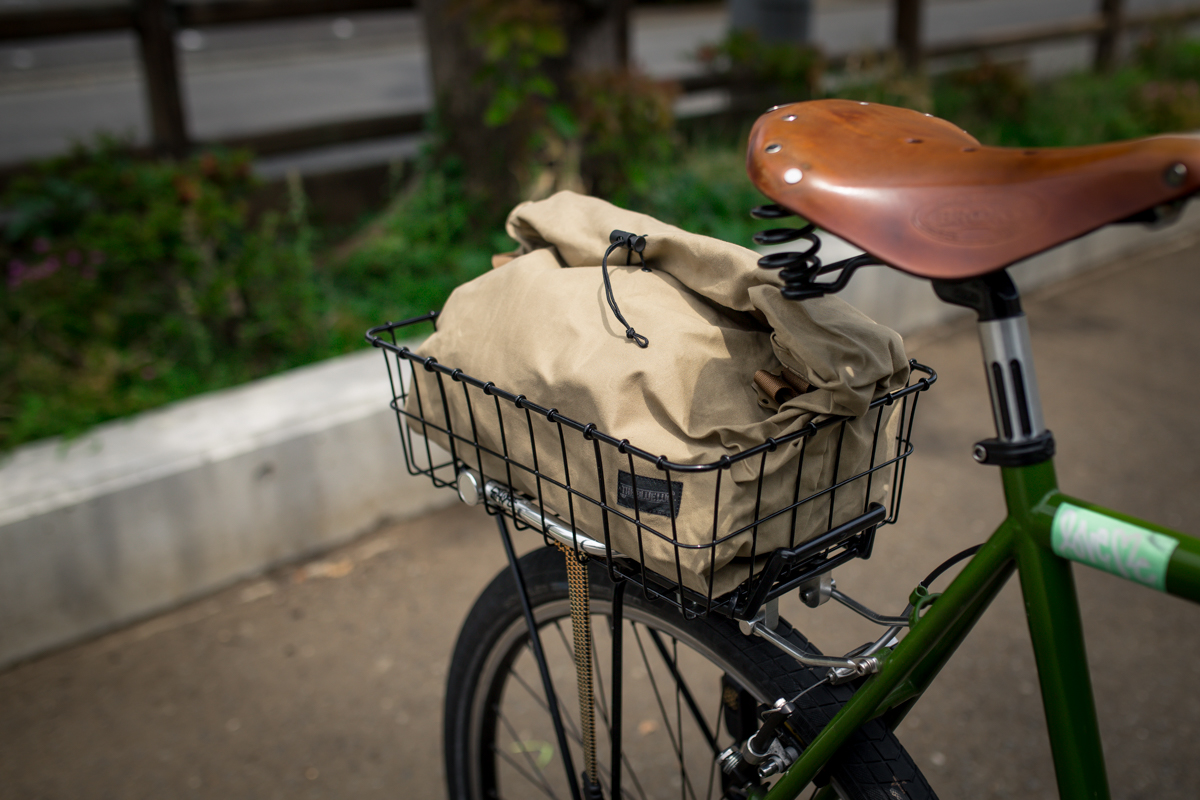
[{"x": 691, "y": 688}]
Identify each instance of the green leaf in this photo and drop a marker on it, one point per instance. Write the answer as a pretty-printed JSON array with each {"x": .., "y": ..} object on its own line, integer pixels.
[
  {"x": 505, "y": 103},
  {"x": 563, "y": 120},
  {"x": 541, "y": 86},
  {"x": 550, "y": 41}
]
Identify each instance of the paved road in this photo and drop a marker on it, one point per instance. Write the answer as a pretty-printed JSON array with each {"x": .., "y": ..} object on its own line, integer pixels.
[
  {"x": 268, "y": 76},
  {"x": 325, "y": 679}
]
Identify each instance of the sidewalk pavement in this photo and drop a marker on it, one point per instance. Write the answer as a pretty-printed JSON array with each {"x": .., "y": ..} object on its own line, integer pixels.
[{"x": 324, "y": 679}]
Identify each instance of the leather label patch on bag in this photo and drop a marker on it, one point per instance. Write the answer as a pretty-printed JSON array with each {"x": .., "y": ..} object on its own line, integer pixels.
[{"x": 652, "y": 497}]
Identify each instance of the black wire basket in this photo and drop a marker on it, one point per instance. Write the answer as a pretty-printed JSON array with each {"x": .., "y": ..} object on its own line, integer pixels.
[{"x": 848, "y": 509}]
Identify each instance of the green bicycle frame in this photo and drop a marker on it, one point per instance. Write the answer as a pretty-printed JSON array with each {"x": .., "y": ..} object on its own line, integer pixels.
[
  {"x": 1043, "y": 532},
  {"x": 1023, "y": 542}
]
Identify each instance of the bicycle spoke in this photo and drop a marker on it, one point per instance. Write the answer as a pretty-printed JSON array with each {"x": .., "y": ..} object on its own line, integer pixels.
[
  {"x": 570, "y": 648},
  {"x": 576, "y": 733},
  {"x": 500, "y": 726},
  {"x": 686, "y": 783},
  {"x": 606, "y": 790},
  {"x": 512, "y": 763},
  {"x": 524, "y": 765},
  {"x": 712, "y": 770},
  {"x": 568, "y": 722},
  {"x": 601, "y": 700},
  {"x": 681, "y": 686},
  {"x": 602, "y": 709},
  {"x": 543, "y": 785}
]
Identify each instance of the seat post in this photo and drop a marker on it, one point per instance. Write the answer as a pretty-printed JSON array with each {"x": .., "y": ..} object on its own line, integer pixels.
[{"x": 1021, "y": 435}]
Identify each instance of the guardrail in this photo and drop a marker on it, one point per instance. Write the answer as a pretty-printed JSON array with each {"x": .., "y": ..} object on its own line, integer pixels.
[{"x": 156, "y": 21}]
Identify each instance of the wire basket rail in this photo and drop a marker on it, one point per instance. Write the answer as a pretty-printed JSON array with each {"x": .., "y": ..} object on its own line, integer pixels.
[{"x": 851, "y": 507}]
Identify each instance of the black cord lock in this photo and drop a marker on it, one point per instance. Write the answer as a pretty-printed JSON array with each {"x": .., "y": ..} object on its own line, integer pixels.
[{"x": 632, "y": 241}]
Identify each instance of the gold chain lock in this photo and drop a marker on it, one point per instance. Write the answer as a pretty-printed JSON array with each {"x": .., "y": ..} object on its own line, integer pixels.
[{"x": 581, "y": 627}]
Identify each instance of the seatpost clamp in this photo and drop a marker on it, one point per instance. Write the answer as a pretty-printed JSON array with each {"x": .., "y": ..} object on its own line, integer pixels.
[{"x": 1015, "y": 454}]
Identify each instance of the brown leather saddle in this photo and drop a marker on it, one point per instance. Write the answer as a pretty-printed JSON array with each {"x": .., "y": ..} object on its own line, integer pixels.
[{"x": 922, "y": 195}]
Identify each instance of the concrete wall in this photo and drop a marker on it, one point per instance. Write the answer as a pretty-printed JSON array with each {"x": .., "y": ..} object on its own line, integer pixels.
[{"x": 142, "y": 514}]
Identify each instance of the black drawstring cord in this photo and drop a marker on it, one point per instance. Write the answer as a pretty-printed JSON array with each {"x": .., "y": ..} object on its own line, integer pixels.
[{"x": 636, "y": 244}]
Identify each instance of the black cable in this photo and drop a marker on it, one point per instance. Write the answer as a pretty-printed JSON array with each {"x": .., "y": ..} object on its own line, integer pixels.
[{"x": 948, "y": 563}]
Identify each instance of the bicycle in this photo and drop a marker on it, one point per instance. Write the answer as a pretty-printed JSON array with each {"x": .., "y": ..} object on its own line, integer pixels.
[{"x": 787, "y": 716}]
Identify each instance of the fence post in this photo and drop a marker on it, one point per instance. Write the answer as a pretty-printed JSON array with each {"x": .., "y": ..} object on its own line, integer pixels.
[
  {"x": 908, "y": 33},
  {"x": 1113, "y": 14},
  {"x": 623, "y": 9},
  {"x": 160, "y": 75}
]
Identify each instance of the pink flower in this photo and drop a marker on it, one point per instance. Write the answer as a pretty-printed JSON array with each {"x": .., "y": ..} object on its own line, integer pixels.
[
  {"x": 41, "y": 245},
  {"x": 41, "y": 271},
  {"x": 16, "y": 271},
  {"x": 73, "y": 258}
]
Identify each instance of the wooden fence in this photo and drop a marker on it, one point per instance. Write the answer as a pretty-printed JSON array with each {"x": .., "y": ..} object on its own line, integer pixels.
[
  {"x": 1107, "y": 25},
  {"x": 156, "y": 21}
]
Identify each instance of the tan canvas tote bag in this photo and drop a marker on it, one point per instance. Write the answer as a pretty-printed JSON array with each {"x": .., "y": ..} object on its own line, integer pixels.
[{"x": 540, "y": 326}]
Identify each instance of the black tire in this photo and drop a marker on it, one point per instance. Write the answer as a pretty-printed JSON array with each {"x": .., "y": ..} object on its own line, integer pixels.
[{"x": 497, "y": 734}]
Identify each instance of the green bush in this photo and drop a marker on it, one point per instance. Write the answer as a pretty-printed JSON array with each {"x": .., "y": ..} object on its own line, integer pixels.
[
  {"x": 989, "y": 100},
  {"x": 1168, "y": 56},
  {"x": 761, "y": 69},
  {"x": 130, "y": 283},
  {"x": 626, "y": 127},
  {"x": 555, "y": 124},
  {"x": 407, "y": 261},
  {"x": 708, "y": 193},
  {"x": 999, "y": 105}
]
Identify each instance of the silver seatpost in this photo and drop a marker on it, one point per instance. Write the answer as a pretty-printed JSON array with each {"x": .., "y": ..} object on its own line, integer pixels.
[
  {"x": 1021, "y": 435},
  {"x": 1008, "y": 362}
]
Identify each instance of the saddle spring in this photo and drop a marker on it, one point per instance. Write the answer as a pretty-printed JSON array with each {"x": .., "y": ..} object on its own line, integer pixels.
[{"x": 799, "y": 270}]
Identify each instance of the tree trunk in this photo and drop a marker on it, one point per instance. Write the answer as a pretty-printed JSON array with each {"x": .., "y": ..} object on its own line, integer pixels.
[{"x": 494, "y": 159}]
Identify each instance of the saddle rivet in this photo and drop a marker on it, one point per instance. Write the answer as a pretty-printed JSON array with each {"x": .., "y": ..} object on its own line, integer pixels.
[
  {"x": 914, "y": 141},
  {"x": 863, "y": 103},
  {"x": 773, "y": 148},
  {"x": 969, "y": 149},
  {"x": 1175, "y": 174},
  {"x": 790, "y": 118},
  {"x": 793, "y": 175}
]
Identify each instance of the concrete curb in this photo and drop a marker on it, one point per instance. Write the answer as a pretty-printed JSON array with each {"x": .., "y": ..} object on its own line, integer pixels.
[
  {"x": 906, "y": 305},
  {"x": 143, "y": 514}
]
